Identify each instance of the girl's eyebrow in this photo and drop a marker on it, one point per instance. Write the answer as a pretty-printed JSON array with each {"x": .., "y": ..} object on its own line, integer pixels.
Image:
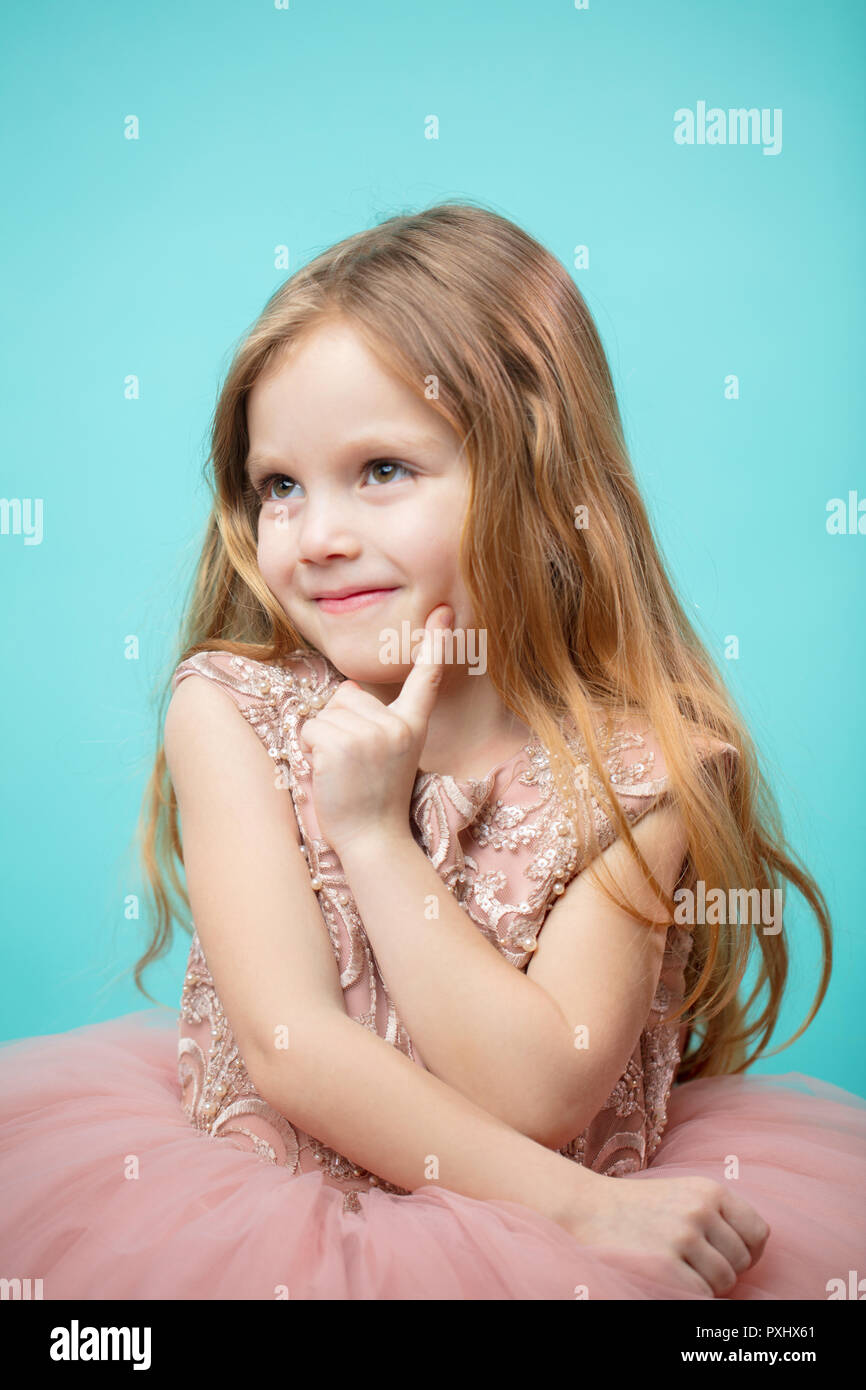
[{"x": 398, "y": 442}]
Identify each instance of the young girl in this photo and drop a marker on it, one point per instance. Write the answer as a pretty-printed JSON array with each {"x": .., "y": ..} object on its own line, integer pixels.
[{"x": 465, "y": 908}]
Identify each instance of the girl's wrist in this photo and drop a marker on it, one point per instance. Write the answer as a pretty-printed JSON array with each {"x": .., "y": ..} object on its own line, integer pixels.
[
  {"x": 371, "y": 840},
  {"x": 573, "y": 1194},
  {"x": 560, "y": 1189}
]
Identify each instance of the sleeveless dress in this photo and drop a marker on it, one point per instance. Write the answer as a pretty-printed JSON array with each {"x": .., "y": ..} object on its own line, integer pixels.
[{"x": 138, "y": 1162}]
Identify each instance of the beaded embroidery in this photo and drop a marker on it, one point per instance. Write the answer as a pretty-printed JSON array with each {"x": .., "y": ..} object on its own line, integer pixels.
[{"x": 217, "y": 1093}]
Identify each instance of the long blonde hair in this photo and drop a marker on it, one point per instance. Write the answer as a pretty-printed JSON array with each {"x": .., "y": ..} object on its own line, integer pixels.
[{"x": 483, "y": 322}]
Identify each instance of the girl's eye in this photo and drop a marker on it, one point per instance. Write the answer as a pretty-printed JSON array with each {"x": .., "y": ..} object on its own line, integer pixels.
[
  {"x": 264, "y": 488},
  {"x": 387, "y": 463}
]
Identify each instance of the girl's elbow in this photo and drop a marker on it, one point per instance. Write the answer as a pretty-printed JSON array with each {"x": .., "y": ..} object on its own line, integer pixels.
[
  {"x": 573, "y": 1108},
  {"x": 284, "y": 1074}
]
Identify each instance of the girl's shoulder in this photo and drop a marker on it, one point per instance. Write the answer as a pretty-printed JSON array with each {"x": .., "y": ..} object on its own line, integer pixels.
[
  {"x": 302, "y": 677},
  {"x": 638, "y": 766}
]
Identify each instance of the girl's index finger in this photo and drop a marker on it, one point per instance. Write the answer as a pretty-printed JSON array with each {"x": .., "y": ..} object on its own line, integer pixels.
[{"x": 420, "y": 688}]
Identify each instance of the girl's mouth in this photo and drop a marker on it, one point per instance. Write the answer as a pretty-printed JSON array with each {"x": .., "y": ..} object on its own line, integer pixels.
[{"x": 348, "y": 604}]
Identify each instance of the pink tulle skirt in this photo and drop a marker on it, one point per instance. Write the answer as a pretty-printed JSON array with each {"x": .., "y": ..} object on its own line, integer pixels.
[{"x": 205, "y": 1219}]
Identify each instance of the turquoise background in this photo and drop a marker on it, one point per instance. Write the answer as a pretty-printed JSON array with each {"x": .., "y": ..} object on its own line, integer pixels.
[{"x": 263, "y": 126}]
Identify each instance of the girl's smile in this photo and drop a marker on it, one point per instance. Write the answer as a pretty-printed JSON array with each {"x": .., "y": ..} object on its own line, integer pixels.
[{"x": 350, "y": 602}]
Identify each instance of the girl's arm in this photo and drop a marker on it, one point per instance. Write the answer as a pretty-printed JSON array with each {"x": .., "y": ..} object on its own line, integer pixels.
[
  {"x": 371, "y": 1103},
  {"x": 274, "y": 970},
  {"x": 481, "y": 1025},
  {"x": 507, "y": 1040}
]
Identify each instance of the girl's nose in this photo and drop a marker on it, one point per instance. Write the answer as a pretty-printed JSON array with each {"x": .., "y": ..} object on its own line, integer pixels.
[{"x": 325, "y": 530}]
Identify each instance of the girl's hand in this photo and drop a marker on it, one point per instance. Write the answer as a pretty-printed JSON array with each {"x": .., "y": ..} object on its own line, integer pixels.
[
  {"x": 365, "y": 754},
  {"x": 711, "y": 1234}
]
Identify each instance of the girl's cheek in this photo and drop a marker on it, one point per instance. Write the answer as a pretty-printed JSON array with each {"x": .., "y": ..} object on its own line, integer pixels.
[{"x": 268, "y": 549}]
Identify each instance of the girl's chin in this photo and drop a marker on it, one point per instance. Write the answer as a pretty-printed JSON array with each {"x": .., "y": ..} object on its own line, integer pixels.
[
  {"x": 369, "y": 672},
  {"x": 369, "y": 658}
]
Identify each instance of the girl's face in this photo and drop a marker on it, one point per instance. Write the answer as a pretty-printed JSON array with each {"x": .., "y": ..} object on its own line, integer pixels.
[{"x": 362, "y": 489}]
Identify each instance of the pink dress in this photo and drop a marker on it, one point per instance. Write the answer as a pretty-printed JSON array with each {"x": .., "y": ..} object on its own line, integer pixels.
[{"x": 138, "y": 1162}]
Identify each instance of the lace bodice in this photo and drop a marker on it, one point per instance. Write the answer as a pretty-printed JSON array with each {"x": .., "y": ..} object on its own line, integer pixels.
[{"x": 502, "y": 847}]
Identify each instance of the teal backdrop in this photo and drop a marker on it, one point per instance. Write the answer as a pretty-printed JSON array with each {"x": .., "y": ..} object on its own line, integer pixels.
[{"x": 167, "y": 166}]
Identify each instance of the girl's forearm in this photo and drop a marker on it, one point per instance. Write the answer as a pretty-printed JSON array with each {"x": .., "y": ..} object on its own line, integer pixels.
[
  {"x": 481, "y": 1025},
  {"x": 371, "y": 1103}
]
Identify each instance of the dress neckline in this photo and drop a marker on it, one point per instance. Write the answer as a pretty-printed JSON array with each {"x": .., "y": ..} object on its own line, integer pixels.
[{"x": 493, "y": 775}]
